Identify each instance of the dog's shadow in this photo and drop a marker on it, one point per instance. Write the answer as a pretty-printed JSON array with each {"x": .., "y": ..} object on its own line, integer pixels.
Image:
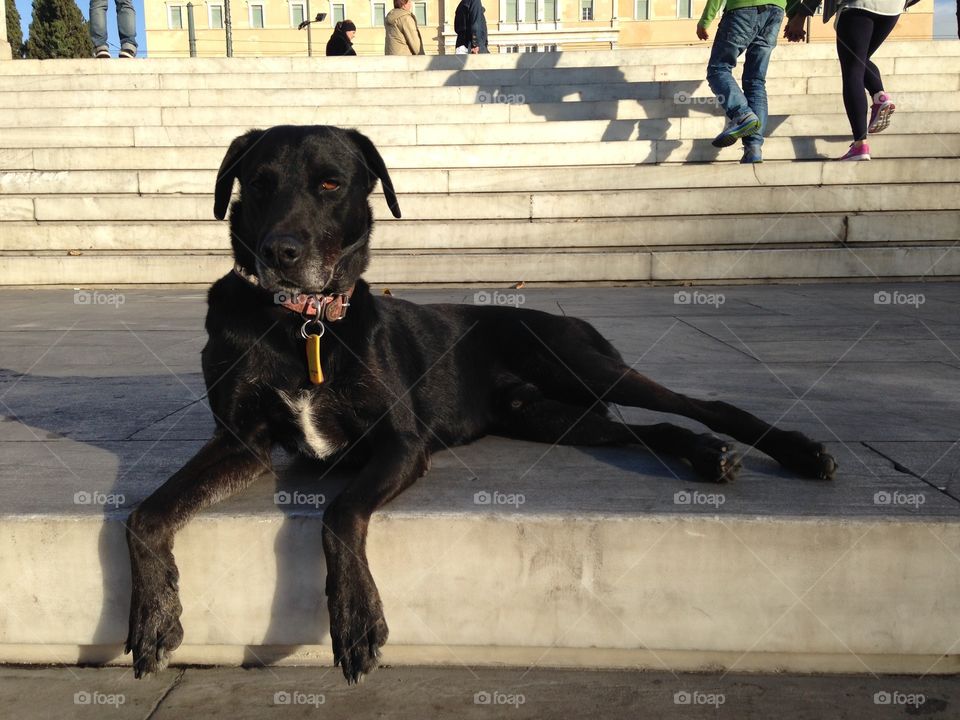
[{"x": 137, "y": 414}]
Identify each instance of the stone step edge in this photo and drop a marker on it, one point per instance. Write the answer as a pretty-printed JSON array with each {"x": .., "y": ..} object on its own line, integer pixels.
[{"x": 500, "y": 656}]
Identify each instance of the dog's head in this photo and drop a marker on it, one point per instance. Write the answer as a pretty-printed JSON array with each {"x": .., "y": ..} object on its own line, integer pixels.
[{"x": 303, "y": 221}]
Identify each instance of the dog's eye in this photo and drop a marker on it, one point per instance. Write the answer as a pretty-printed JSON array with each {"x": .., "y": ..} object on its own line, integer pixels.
[
  {"x": 328, "y": 185},
  {"x": 262, "y": 185}
]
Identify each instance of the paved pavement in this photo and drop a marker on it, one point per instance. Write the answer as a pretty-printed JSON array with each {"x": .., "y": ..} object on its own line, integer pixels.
[
  {"x": 416, "y": 693},
  {"x": 96, "y": 385}
]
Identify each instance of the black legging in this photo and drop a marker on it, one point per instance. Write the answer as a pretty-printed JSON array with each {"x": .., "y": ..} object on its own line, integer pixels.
[{"x": 859, "y": 34}]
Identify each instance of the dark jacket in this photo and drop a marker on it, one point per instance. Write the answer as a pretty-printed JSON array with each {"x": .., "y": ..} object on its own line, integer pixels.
[
  {"x": 470, "y": 25},
  {"x": 339, "y": 44}
]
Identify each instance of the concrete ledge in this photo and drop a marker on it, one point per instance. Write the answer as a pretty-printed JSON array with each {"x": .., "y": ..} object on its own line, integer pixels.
[{"x": 612, "y": 558}]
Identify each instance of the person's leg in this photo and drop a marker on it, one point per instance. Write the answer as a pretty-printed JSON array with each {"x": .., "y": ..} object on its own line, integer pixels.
[
  {"x": 883, "y": 25},
  {"x": 98, "y": 23},
  {"x": 127, "y": 25},
  {"x": 755, "y": 69},
  {"x": 854, "y": 30},
  {"x": 883, "y": 106},
  {"x": 733, "y": 35}
]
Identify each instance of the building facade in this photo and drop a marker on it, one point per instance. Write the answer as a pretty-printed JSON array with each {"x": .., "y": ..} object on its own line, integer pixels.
[{"x": 269, "y": 27}]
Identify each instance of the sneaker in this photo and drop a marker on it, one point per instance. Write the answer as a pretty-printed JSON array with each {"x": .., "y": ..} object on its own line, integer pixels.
[
  {"x": 880, "y": 112},
  {"x": 749, "y": 124},
  {"x": 128, "y": 52},
  {"x": 857, "y": 153},
  {"x": 102, "y": 52},
  {"x": 751, "y": 155}
]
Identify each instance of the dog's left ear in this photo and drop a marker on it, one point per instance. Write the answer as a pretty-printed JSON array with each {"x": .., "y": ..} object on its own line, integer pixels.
[
  {"x": 377, "y": 168},
  {"x": 230, "y": 169}
]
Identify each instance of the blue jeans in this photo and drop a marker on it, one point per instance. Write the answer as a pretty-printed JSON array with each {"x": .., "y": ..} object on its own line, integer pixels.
[
  {"x": 126, "y": 23},
  {"x": 754, "y": 29}
]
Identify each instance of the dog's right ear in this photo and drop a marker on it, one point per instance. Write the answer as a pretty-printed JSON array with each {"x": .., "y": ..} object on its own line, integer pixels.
[{"x": 230, "y": 169}]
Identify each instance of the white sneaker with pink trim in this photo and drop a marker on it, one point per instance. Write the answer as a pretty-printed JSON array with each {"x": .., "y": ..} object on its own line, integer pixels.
[{"x": 880, "y": 112}]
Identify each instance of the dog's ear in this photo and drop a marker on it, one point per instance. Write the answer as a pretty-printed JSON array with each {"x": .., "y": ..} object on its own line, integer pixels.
[
  {"x": 377, "y": 168},
  {"x": 230, "y": 169}
]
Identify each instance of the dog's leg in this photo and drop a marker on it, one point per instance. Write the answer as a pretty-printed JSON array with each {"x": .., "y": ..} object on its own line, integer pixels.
[
  {"x": 526, "y": 415},
  {"x": 222, "y": 467},
  {"x": 614, "y": 382},
  {"x": 357, "y": 626}
]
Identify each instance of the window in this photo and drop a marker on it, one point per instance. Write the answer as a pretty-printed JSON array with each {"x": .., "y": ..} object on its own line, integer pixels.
[
  {"x": 256, "y": 16},
  {"x": 337, "y": 13},
  {"x": 549, "y": 48},
  {"x": 511, "y": 15},
  {"x": 586, "y": 9},
  {"x": 684, "y": 8},
  {"x": 530, "y": 11},
  {"x": 550, "y": 10},
  {"x": 642, "y": 10},
  {"x": 215, "y": 17},
  {"x": 175, "y": 17},
  {"x": 298, "y": 13},
  {"x": 378, "y": 14},
  {"x": 420, "y": 11},
  {"x": 511, "y": 49}
]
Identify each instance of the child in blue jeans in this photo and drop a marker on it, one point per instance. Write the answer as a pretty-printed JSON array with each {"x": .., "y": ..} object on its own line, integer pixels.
[{"x": 752, "y": 26}]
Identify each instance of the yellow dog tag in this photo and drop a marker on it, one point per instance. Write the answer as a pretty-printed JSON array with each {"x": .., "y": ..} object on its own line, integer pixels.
[{"x": 313, "y": 359}]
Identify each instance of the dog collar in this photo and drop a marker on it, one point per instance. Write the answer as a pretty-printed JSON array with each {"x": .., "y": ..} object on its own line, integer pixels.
[{"x": 323, "y": 307}]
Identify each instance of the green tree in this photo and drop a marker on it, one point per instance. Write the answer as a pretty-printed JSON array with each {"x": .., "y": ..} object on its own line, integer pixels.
[
  {"x": 14, "y": 33},
  {"x": 58, "y": 30}
]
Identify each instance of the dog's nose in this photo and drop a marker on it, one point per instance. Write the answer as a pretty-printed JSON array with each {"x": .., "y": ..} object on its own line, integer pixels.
[{"x": 281, "y": 251}]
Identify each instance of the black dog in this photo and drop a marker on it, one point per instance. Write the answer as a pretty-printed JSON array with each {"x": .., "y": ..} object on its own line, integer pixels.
[{"x": 399, "y": 381}]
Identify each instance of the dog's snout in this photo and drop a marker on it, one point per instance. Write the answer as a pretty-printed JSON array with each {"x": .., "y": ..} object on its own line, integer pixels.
[{"x": 281, "y": 251}]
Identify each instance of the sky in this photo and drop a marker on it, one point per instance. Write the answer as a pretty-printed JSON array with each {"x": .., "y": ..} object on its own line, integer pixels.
[{"x": 944, "y": 21}]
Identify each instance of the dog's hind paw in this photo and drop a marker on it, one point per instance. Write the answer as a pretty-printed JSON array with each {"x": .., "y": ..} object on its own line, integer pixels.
[
  {"x": 715, "y": 460},
  {"x": 809, "y": 459}
]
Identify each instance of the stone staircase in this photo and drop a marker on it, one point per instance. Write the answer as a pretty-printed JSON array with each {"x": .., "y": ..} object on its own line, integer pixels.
[{"x": 585, "y": 167}]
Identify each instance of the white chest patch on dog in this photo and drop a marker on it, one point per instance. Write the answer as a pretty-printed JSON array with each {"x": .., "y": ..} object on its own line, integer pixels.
[{"x": 313, "y": 442}]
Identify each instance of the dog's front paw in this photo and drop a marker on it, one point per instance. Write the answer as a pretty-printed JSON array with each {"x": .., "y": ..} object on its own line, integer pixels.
[
  {"x": 714, "y": 459},
  {"x": 155, "y": 629},
  {"x": 357, "y": 625},
  {"x": 808, "y": 458}
]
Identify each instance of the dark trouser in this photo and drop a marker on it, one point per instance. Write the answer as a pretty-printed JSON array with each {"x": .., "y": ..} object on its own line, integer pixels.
[{"x": 859, "y": 34}]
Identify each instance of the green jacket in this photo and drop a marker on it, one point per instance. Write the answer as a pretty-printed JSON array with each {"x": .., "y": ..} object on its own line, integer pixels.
[{"x": 713, "y": 7}]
